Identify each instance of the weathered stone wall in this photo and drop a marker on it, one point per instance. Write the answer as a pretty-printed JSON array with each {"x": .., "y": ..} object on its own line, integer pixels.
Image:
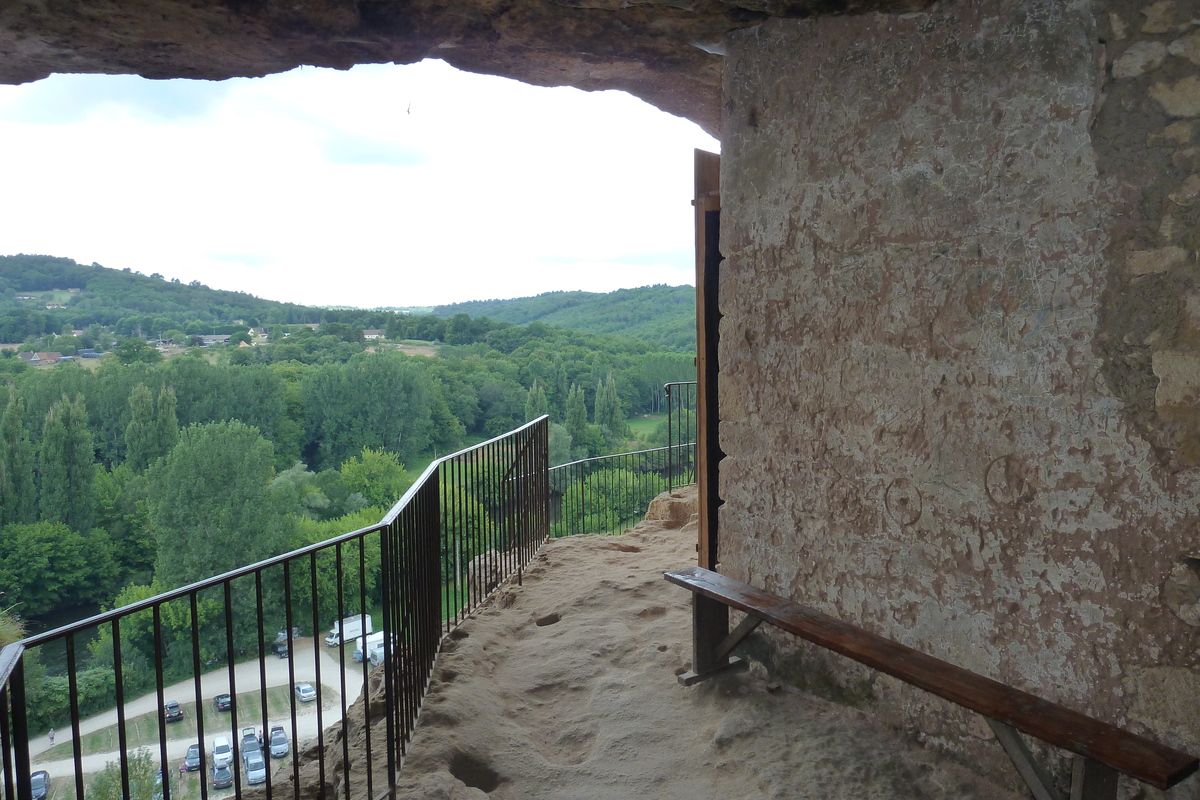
[{"x": 960, "y": 356}]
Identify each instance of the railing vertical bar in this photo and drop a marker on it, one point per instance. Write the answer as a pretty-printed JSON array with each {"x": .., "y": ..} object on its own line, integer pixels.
[
  {"x": 454, "y": 474},
  {"x": 390, "y": 564},
  {"x": 466, "y": 472},
  {"x": 507, "y": 533},
  {"x": 471, "y": 526},
  {"x": 428, "y": 556},
  {"x": 230, "y": 671},
  {"x": 362, "y": 595},
  {"x": 76, "y": 716},
  {"x": 204, "y": 763},
  {"x": 290, "y": 622},
  {"x": 341, "y": 615},
  {"x": 670, "y": 438},
  {"x": 411, "y": 581},
  {"x": 445, "y": 527},
  {"x": 262, "y": 677},
  {"x": 422, "y": 589},
  {"x": 493, "y": 508},
  {"x": 156, "y": 621},
  {"x": 122, "y": 739},
  {"x": 316, "y": 623}
]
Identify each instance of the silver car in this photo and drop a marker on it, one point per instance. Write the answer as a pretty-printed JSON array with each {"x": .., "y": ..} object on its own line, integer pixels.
[
  {"x": 278, "y": 742},
  {"x": 256, "y": 767}
]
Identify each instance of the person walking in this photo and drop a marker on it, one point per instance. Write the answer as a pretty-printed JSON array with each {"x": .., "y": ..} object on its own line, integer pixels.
[{"x": 52, "y": 736}]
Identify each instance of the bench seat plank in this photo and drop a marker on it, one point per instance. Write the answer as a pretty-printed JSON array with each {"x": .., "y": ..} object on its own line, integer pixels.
[{"x": 1134, "y": 755}]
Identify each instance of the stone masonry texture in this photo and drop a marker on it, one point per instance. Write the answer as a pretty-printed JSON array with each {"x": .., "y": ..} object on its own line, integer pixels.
[{"x": 960, "y": 352}]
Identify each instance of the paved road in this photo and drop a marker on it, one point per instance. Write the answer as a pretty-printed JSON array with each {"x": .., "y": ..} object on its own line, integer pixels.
[{"x": 57, "y": 759}]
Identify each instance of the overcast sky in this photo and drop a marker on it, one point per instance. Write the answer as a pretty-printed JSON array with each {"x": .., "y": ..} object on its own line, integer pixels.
[{"x": 380, "y": 186}]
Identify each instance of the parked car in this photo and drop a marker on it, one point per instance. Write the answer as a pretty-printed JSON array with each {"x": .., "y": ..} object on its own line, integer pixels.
[
  {"x": 191, "y": 762},
  {"x": 40, "y": 783},
  {"x": 222, "y": 752},
  {"x": 222, "y": 777},
  {"x": 278, "y": 742},
  {"x": 223, "y": 702},
  {"x": 281, "y": 649},
  {"x": 305, "y": 692},
  {"x": 256, "y": 767},
  {"x": 172, "y": 711},
  {"x": 250, "y": 741}
]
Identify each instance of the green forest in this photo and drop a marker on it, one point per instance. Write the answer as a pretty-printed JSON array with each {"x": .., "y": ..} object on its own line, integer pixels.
[
  {"x": 137, "y": 473},
  {"x": 664, "y": 316}
]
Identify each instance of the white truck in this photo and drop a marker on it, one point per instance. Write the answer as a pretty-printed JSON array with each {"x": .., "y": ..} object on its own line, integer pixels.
[
  {"x": 348, "y": 628},
  {"x": 364, "y": 645}
]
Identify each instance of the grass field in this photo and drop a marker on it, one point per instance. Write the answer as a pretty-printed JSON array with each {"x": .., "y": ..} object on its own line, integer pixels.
[{"x": 642, "y": 427}]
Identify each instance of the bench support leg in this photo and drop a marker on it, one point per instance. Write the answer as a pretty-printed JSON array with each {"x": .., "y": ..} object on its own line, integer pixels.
[
  {"x": 1091, "y": 780},
  {"x": 1031, "y": 772},
  {"x": 711, "y": 640}
]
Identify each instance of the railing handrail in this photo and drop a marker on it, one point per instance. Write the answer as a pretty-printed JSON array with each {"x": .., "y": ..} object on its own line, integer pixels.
[
  {"x": 612, "y": 456},
  {"x": 9, "y": 657},
  {"x": 258, "y": 566},
  {"x": 395, "y": 510}
]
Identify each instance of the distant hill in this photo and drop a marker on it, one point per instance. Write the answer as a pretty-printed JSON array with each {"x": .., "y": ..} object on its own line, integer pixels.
[
  {"x": 664, "y": 316},
  {"x": 39, "y": 292}
]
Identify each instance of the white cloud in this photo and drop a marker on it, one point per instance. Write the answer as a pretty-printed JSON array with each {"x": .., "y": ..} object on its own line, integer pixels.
[{"x": 377, "y": 186}]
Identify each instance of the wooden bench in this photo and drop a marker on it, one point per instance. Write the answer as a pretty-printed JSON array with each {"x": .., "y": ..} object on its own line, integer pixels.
[{"x": 1105, "y": 749}]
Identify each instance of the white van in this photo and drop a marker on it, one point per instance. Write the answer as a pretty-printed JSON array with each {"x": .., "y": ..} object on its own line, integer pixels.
[
  {"x": 222, "y": 752},
  {"x": 363, "y": 648}
]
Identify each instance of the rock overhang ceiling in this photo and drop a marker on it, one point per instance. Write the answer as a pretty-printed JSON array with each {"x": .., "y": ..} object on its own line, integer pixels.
[{"x": 664, "y": 51}]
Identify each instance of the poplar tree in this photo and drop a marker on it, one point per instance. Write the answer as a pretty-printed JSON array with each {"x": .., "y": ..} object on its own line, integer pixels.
[
  {"x": 557, "y": 390},
  {"x": 576, "y": 415},
  {"x": 17, "y": 492},
  {"x": 152, "y": 431},
  {"x": 67, "y": 466},
  {"x": 166, "y": 423},
  {"x": 608, "y": 409},
  {"x": 140, "y": 432},
  {"x": 535, "y": 403}
]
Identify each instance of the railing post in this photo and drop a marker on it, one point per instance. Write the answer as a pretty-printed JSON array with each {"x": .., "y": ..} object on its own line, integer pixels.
[{"x": 20, "y": 731}]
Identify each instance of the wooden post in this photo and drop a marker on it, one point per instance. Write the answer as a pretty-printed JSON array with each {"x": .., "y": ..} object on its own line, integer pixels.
[{"x": 708, "y": 259}]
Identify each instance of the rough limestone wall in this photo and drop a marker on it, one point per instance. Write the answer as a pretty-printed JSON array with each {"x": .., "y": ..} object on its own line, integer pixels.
[{"x": 960, "y": 356}]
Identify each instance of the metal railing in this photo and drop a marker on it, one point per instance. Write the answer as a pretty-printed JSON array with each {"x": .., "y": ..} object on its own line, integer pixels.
[
  {"x": 470, "y": 520},
  {"x": 607, "y": 493},
  {"x": 681, "y": 433}
]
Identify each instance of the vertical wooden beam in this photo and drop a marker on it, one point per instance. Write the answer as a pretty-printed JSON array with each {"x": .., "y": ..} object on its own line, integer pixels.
[
  {"x": 1091, "y": 780},
  {"x": 708, "y": 258}
]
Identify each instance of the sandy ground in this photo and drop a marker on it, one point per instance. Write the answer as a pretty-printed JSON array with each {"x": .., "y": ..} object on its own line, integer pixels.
[{"x": 566, "y": 687}]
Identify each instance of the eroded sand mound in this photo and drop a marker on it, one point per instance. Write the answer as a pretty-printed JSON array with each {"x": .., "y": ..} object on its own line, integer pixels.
[{"x": 565, "y": 688}]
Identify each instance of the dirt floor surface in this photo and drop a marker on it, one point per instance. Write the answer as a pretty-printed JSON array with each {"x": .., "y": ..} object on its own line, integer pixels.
[{"x": 565, "y": 687}]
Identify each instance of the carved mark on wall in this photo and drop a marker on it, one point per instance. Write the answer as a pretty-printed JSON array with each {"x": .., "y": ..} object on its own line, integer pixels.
[
  {"x": 1010, "y": 481},
  {"x": 903, "y": 501}
]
